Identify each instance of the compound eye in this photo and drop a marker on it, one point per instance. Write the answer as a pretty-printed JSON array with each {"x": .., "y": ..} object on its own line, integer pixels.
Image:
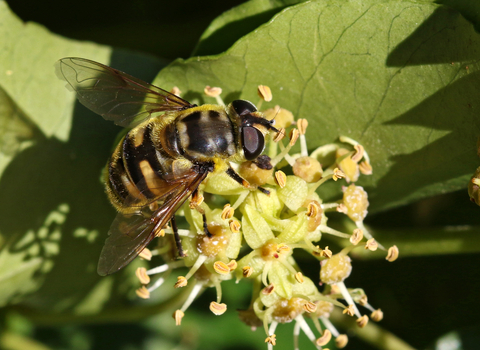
[
  {"x": 253, "y": 142},
  {"x": 243, "y": 107}
]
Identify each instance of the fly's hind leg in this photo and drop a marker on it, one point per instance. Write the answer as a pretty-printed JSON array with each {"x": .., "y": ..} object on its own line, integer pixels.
[{"x": 178, "y": 240}]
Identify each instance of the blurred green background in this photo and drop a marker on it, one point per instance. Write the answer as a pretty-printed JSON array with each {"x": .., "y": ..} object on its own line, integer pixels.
[{"x": 423, "y": 296}]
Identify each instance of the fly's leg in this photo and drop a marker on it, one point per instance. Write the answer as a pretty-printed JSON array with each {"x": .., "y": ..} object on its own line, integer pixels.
[
  {"x": 234, "y": 175},
  {"x": 195, "y": 203},
  {"x": 178, "y": 240}
]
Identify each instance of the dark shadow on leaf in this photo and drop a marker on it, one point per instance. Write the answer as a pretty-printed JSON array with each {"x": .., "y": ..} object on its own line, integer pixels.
[
  {"x": 470, "y": 9},
  {"x": 223, "y": 38},
  {"x": 197, "y": 97},
  {"x": 232, "y": 96},
  {"x": 441, "y": 38},
  {"x": 55, "y": 176},
  {"x": 455, "y": 109}
]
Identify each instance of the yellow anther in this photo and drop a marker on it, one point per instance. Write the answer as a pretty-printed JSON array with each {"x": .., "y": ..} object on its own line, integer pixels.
[
  {"x": 265, "y": 93},
  {"x": 342, "y": 208},
  {"x": 371, "y": 244},
  {"x": 234, "y": 226},
  {"x": 141, "y": 274},
  {"x": 362, "y": 321},
  {"x": 392, "y": 253},
  {"x": 313, "y": 208},
  {"x": 280, "y": 178},
  {"x": 212, "y": 91},
  {"x": 341, "y": 341},
  {"x": 337, "y": 174},
  {"x": 317, "y": 251},
  {"x": 177, "y": 316},
  {"x": 232, "y": 265},
  {"x": 282, "y": 248},
  {"x": 302, "y": 126},
  {"x": 310, "y": 307},
  {"x": 377, "y": 315},
  {"x": 218, "y": 309},
  {"x": 279, "y": 135},
  {"x": 294, "y": 134},
  {"x": 365, "y": 168},
  {"x": 358, "y": 155},
  {"x": 357, "y": 236},
  {"x": 327, "y": 253},
  {"x": 181, "y": 282},
  {"x": 221, "y": 268},
  {"x": 143, "y": 292},
  {"x": 247, "y": 271},
  {"x": 363, "y": 300},
  {"x": 350, "y": 311},
  {"x": 196, "y": 200},
  {"x": 145, "y": 254},
  {"x": 325, "y": 338},
  {"x": 227, "y": 212},
  {"x": 299, "y": 277},
  {"x": 176, "y": 91},
  {"x": 271, "y": 339},
  {"x": 268, "y": 289}
]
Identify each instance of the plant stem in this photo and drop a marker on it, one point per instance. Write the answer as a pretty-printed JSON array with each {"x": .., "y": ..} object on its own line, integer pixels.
[
  {"x": 423, "y": 241},
  {"x": 371, "y": 334},
  {"x": 132, "y": 313}
]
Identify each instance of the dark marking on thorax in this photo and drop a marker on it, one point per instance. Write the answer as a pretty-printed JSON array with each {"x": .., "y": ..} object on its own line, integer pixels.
[{"x": 206, "y": 134}]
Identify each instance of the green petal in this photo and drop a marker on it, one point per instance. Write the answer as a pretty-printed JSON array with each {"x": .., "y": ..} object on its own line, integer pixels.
[
  {"x": 282, "y": 279},
  {"x": 255, "y": 229},
  {"x": 295, "y": 231},
  {"x": 294, "y": 193}
]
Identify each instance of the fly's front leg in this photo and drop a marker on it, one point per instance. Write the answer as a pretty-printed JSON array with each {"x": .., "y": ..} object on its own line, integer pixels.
[
  {"x": 197, "y": 199},
  {"x": 234, "y": 175}
]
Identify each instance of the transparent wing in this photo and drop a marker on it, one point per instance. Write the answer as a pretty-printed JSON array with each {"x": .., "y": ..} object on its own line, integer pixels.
[
  {"x": 115, "y": 95},
  {"x": 130, "y": 234}
]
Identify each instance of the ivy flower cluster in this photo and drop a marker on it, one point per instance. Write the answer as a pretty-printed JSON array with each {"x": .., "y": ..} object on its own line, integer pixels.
[{"x": 254, "y": 235}]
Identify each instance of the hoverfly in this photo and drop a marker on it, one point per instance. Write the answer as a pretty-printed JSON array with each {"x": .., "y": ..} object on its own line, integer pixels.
[{"x": 171, "y": 147}]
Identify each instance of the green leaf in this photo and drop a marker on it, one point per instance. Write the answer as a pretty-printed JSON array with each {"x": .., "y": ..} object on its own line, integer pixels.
[
  {"x": 237, "y": 22},
  {"x": 399, "y": 77},
  {"x": 25, "y": 80},
  {"x": 54, "y": 215}
]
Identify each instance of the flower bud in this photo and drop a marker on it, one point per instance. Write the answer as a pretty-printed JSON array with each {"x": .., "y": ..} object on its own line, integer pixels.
[
  {"x": 285, "y": 310},
  {"x": 308, "y": 169},
  {"x": 356, "y": 201},
  {"x": 336, "y": 269},
  {"x": 212, "y": 246},
  {"x": 348, "y": 165},
  {"x": 254, "y": 174}
]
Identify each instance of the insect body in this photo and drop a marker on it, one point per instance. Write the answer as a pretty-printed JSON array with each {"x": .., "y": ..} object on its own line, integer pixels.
[{"x": 171, "y": 148}]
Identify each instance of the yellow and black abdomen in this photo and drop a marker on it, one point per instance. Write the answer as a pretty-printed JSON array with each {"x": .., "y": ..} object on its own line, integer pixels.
[{"x": 139, "y": 169}]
